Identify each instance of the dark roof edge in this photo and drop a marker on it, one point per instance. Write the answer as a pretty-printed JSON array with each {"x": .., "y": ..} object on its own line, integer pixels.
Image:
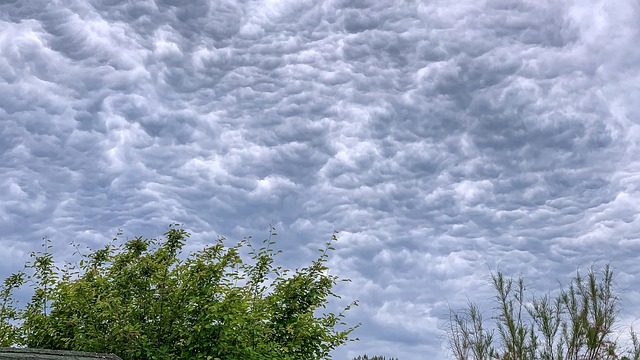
[{"x": 59, "y": 352}]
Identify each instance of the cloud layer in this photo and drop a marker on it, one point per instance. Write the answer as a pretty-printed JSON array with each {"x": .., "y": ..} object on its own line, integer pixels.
[{"x": 442, "y": 140}]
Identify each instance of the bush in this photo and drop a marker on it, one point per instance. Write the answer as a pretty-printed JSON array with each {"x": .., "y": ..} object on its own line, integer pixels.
[
  {"x": 366, "y": 357},
  {"x": 577, "y": 324},
  {"x": 140, "y": 300}
]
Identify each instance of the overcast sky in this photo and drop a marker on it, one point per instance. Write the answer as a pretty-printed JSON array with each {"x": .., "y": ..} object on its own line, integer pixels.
[{"x": 441, "y": 138}]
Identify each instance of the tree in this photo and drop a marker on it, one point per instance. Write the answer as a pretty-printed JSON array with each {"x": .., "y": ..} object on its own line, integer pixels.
[
  {"x": 375, "y": 357},
  {"x": 577, "y": 324},
  {"x": 140, "y": 299}
]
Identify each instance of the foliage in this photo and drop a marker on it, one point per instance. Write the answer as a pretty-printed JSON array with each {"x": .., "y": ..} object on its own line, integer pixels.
[
  {"x": 366, "y": 357},
  {"x": 8, "y": 310},
  {"x": 140, "y": 300},
  {"x": 577, "y": 324}
]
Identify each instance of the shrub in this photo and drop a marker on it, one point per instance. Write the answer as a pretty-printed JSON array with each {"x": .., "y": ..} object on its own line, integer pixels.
[
  {"x": 139, "y": 300},
  {"x": 577, "y": 324}
]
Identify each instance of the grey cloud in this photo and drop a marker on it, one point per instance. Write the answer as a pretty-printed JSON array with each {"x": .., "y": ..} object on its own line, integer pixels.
[{"x": 442, "y": 139}]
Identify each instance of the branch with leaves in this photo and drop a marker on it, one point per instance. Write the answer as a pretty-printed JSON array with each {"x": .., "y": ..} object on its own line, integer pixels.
[
  {"x": 140, "y": 299},
  {"x": 575, "y": 325}
]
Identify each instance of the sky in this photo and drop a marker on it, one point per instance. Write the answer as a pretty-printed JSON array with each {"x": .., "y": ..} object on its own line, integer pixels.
[{"x": 442, "y": 139}]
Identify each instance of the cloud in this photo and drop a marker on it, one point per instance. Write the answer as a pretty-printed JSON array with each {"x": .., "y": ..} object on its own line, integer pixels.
[{"x": 442, "y": 140}]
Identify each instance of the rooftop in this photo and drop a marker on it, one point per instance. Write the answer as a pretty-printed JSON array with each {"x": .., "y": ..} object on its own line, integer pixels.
[{"x": 42, "y": 354}]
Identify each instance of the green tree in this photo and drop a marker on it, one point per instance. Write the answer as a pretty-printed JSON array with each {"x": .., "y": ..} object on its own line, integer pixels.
[
  {"x": 577, "y": 324},
  {"x": 9, "y": 312},
  {"x": 140, "y": 299}
]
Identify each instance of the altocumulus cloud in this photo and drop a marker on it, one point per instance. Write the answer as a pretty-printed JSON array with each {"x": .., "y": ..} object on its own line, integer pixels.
[{"x": 442, "y": 139}]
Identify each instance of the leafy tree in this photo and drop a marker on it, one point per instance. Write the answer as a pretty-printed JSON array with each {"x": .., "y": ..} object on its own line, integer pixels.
[
  {"x": 140, "y": 300},
  {"x": 8, "y": 310},
  {"x": 577, "y": 324},
  {"x": 375, "y": 357}
]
